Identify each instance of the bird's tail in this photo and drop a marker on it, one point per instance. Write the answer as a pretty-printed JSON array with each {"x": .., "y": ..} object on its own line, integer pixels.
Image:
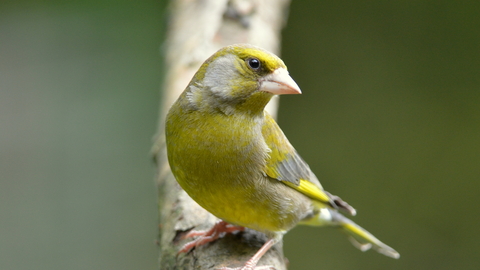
[{"x": 357, "y": 235}]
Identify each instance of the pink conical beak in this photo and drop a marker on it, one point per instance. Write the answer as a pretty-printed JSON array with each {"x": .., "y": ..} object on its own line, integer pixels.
[{"x": 279, "y": 83}]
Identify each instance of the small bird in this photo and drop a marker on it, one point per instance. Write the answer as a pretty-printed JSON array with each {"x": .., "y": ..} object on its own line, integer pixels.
[{"x": 233, "y": 159}]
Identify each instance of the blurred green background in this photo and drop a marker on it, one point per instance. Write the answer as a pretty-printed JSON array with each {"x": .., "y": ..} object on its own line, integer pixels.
[{"x": 389, "y": 120}]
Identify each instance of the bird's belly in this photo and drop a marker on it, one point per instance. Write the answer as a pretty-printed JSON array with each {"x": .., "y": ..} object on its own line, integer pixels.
[{"x": 262, "y": 204}]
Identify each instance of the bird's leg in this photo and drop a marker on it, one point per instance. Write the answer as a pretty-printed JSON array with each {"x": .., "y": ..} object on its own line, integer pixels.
[
  {"x": 252, "y": 263},
  {"x": 214, "y": 233}
]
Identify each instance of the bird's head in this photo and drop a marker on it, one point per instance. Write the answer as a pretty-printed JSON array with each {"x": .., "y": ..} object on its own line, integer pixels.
[{"x": 240, "y": 78}]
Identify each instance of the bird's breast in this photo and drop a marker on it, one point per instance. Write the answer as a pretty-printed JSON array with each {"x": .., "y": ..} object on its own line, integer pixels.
[{"x": 218, "y": 149}]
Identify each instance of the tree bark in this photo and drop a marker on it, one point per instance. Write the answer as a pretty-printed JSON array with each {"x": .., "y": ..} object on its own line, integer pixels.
[{"x": 196, "y": 29}]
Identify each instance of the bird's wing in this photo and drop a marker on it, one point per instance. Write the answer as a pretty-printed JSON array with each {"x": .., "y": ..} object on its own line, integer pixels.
[{"x": 286, "y": 165}]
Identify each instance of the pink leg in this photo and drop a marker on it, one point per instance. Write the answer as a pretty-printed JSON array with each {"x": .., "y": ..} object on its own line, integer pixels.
[
  {"x": 214, "y": 233},
  {"x": 252, "y": 263}
]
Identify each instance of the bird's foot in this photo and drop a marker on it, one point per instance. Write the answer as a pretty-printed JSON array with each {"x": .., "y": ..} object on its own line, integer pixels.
[{"x": 218, "y": 230}]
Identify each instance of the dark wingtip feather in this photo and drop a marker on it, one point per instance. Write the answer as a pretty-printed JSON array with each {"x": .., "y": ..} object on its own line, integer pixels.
[{"x": 338, "y": 203}]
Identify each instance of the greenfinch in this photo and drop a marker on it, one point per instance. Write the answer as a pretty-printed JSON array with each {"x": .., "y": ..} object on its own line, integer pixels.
[{"x": 233, "y": 159}]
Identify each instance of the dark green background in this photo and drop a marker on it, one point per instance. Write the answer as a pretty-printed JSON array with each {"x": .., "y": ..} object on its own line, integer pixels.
[{"x": 389, "y": 120}]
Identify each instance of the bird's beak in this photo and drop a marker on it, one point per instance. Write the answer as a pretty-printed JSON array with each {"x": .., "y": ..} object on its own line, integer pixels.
[{"x": 279, "y": 83}]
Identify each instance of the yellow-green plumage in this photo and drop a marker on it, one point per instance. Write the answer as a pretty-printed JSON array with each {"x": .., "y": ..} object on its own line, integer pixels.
[
  {"x": 234, "y": 187},
  {"x": 232, "y": 158}
]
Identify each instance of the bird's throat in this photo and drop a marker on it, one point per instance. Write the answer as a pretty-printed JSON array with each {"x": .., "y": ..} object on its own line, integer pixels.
[{"x": 255, "y": 103}]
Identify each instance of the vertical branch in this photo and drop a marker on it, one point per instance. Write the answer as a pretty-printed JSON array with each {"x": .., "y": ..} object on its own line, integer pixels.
[{"x": 195, "y": 31}]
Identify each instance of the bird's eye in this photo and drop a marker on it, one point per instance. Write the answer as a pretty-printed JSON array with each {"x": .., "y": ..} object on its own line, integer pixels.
[{"x": 254, "y": 63}]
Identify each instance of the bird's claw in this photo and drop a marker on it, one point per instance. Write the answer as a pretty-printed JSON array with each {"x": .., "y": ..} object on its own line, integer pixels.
[{"x": 218, "y": 230}]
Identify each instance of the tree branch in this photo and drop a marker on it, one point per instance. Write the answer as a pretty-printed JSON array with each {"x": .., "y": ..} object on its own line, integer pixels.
[{"x": 195, "y": 31}]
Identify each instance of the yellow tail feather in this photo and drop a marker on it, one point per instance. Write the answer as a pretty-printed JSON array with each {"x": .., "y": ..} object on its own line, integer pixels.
[
  {"x": 359, "y": 237},
  {"x": 362, "y": 239}
]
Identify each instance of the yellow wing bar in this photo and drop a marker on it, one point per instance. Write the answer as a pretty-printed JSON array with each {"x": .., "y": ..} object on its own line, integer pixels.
[{"x": 310, "y": 190}]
